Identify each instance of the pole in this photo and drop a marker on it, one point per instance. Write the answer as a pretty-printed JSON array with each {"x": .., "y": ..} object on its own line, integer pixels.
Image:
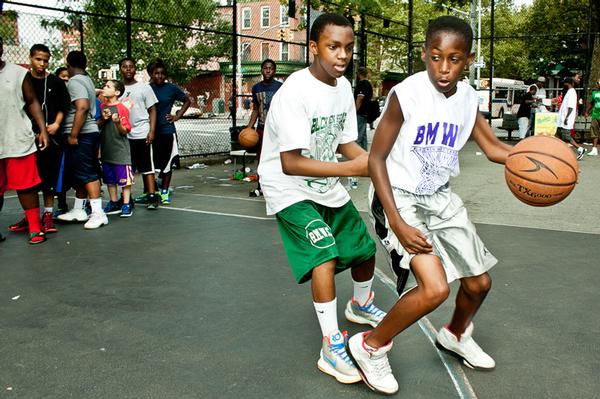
[
  {"x": 479, "y": 63},
  {"x": 362, "y": 58},
  {"x": 409, "y": 37},
  {"x": 307, "y": 32},
  {"x": 128, "y": 26},
  {"x": 80, "y": 27},
  {"x": 588, "y": 63},
  {"x": 492, "y": 6},
  {"x": 234, "y": 65}
]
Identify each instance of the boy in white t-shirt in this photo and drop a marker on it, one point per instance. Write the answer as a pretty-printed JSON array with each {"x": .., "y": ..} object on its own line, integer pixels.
[
  {"x": 566, "y": 116},
  {"x": 311, "y": 117},
  {"x": 427, "y": 120}
]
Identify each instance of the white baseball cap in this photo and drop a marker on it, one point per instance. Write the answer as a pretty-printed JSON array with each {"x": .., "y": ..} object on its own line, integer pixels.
[{"x": 541, "y": 79}]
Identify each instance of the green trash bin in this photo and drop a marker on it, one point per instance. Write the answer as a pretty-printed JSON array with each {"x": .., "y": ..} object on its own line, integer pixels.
[{"x": 218, "y": 106}]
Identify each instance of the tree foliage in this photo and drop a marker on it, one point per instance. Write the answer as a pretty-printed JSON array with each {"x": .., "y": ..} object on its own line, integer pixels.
[{"x": 8, "y": 21}]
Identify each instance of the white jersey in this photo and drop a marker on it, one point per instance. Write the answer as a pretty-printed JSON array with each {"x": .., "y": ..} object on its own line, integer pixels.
[
  {"x": 310, "y": 115},
  {"x": 569, "y": 101},
  {"x": 435, "y": 128}
]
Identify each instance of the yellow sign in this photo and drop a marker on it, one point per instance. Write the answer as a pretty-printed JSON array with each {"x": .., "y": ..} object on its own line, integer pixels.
[{"x": 545, "y": 123}]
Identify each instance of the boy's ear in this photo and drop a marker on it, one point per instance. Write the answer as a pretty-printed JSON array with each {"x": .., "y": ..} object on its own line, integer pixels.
[
  {"x": 470, "y": 59},
  {"x": 313, "y": 47},
  {"x": 423, "y": 53},
  {"x": 118, "y": 93}
]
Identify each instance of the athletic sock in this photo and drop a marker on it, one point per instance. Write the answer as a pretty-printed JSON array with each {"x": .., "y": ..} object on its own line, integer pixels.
[
  {"x": 327, "y": 315},
  {"x": 79, "y": 203},
  {"x": 50, "y": 209},
  {"x": 362, "y": 291},
  {"x": 33, "y": 219},
  {"x": 96, "y": 204}
]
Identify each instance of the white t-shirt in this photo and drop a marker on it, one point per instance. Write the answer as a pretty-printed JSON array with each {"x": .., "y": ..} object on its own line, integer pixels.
[
  {"x": 16, "y": 135},
  {"x": 310, "y": 115},
  {"x": 435, "y": 128},
  {"x": 138, "y": 97},
  {"x": 569, "y": 101}
]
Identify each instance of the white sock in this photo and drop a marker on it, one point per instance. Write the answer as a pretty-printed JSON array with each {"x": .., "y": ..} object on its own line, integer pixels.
[
  {"x": 79, "y": 203},
  {"x": 362, "y": 291},
  {"x": 327, "y": 315},
  {"x": 96, "y": 205},
  {"x": 46, "y": 209}
]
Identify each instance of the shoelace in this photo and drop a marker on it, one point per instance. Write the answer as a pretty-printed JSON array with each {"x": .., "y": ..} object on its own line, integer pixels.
[
  {"x": 340, "y": 351},
  {"x": 372, "y": 309},
  {"x": 380, "y": 365}
]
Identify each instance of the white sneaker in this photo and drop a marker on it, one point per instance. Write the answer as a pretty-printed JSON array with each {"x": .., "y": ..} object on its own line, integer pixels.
[
  {"x": 334, "y": 360},
  {"x": 74, "y": 215},
  {"x": 97, "y": 219},
  {"x": 466, "y": 349},
  {"x": 373, "y": 365},
  {"x": 593, "y": 152},
  {"x": 366, "y": 314},
  {"x": 580, "y": 152}
]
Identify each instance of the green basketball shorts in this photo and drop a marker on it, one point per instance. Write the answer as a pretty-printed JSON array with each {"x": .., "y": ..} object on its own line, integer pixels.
[{"x": 313, "y": 234}]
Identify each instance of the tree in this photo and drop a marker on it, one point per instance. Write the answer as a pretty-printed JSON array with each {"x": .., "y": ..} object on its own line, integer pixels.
[{"x": 8, "y": 27}]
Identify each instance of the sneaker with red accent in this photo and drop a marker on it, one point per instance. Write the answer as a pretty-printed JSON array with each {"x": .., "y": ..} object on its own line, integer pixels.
[
  {"x": 334, "y": 360},
  {"x": 48, "y": 223},
  {"x": 36, "y": 238},
  {"x": 373, "y": 364},
  {"x": 21, "y": 225},
  {"x": 465, "y": 348}
]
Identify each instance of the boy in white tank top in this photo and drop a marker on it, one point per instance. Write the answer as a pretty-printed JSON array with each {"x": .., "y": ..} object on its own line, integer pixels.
[{"x": 423, "y": 225}]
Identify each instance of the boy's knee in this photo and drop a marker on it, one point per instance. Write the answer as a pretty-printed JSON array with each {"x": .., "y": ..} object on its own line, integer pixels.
[
  {"x": 436, "y": 293},
  {"x": 479, "y": 285}
]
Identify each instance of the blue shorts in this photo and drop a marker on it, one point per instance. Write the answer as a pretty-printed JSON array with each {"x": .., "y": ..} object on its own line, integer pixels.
[{"x": 81, "y": 161}]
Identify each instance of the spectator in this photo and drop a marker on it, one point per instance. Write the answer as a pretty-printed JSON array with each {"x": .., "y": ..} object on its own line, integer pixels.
[
  {"x": 82, "y": 139},
  {"x": 524, "y": 112},
  {"x": 114, "y": 149},
  {"x": 164, "y": 146},
  {"x": 262, "y": 94},
  {"x": 52, "y": 94},
  {"x": 593, "y": 110},
  {"x": 566, "y": 116},
  {"x": 141, "y": 102},
  {"x": 18, "y": 168},
  {"x": 62, "y": 73}
]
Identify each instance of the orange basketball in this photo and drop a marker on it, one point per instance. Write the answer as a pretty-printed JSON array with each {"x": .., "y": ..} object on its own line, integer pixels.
[
  {"x": 541, "y": 170},
  {"x": 248, "y": 138}
]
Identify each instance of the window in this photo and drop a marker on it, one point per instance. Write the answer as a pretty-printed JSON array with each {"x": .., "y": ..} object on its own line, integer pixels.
[
  {"x": 283, "y": 16},
  {"x": 265, "y": 12},
  {"x": 285, "y": 52},
  {"x": 246, "y": 18},
  {"x": 264, "y": 50},
  {"x": 246, "y": 52}
]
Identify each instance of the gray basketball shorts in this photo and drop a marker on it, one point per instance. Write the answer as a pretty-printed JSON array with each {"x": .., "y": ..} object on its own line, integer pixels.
[{"x": 443, "y": 218}]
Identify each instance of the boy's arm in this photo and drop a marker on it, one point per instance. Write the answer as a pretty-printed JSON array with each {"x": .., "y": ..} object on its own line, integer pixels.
[
  {"x": 36, "y": 111},
  {"x": 351, "y": 150},
  {"x": 412, "y": 239},
  {"x": 253, "y": 116},
  {"x": 294, "y": 163},
  {"x": 494, "y": 149},
  {"x": 82, "y": 107},
  {"x": 152, "y": 116}
]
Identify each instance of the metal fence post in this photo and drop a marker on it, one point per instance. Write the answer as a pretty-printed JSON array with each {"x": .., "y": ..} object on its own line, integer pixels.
[
  {"x": 234, "y": 71},
  {"x": 492, "y": 6},
  {"x": 409, "y": 37},
  {"x": 128, "y": 26},
  {"x": 307, "y": 32}
]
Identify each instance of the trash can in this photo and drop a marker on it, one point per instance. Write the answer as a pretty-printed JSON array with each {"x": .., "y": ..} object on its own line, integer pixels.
[{"x": 218, "y": 106}]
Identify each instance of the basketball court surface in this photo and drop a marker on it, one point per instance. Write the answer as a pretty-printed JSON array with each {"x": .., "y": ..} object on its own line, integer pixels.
[{"x": 197, "y": 301}]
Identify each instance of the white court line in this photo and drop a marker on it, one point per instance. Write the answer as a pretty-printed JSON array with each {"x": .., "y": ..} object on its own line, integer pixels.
[
  {"x": 220, "y": 196},
  {"x": 457, "y": 375},
  {"x": 235, "y": 215}
]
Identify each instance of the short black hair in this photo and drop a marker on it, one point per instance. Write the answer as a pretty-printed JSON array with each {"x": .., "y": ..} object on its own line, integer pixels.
[
  {"x": 119, "y": 86},
  {"x": 448, "y": 23},
  {"x": 38, "y": 47},
  {"x": 126, "y": 59},
  {"x": 569, "y": 80},
  {"x": 77, "y": 59},
  {"x": 362, "y": 71},
  {"x": 157, "y": 63},
  {"x": 59, "y": 70},
  {"x": 268, "y": 61},
  {"x": 325, "y": 20}
]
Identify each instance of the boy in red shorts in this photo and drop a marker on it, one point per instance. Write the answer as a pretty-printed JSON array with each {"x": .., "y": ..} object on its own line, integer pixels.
[{"x": 18, "y": 167}]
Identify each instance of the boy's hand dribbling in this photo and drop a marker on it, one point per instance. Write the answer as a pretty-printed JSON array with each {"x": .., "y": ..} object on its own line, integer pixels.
[{"x": 413, "y": 239}]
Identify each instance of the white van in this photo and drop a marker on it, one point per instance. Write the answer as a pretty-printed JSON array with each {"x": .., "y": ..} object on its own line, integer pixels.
[{"x": 507, "y": 96}]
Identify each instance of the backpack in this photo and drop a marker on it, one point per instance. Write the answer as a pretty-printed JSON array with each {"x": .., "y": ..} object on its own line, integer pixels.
[{"x": 373, "y": 111}]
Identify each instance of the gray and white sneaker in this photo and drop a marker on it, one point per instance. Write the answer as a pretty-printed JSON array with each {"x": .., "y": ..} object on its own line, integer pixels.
[
  {"x": 74, "y": 215},
  {"x": 97, "y": 219},
  {"x": 373, "y": 365},
  {"x": 465, "y": 348},
  {"x": 334, "y": 360},
  {"x": 366, "y": 314}
]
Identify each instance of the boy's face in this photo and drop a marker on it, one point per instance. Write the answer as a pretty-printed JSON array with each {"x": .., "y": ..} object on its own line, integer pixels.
[
  {"x": 158, "y": 76},
  {"x": 332, "y": 52},
  {"x": 268, "y": 71},
  {"x": 39, "y": 62},
  {"x": 109, "y": 90},
  {"x": 127, "y": 70},
  {"x": 64, "y": 75},
  {"x": 446, "y": 58}
]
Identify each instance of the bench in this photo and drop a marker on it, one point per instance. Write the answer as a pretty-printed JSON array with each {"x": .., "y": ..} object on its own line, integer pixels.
[
  {"x": 509, "y": 123},
  {"x": 237, "y": 151}
]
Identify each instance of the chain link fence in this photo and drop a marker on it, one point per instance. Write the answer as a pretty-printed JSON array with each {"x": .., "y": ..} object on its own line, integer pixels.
[{"x": 214, "y": 49}]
